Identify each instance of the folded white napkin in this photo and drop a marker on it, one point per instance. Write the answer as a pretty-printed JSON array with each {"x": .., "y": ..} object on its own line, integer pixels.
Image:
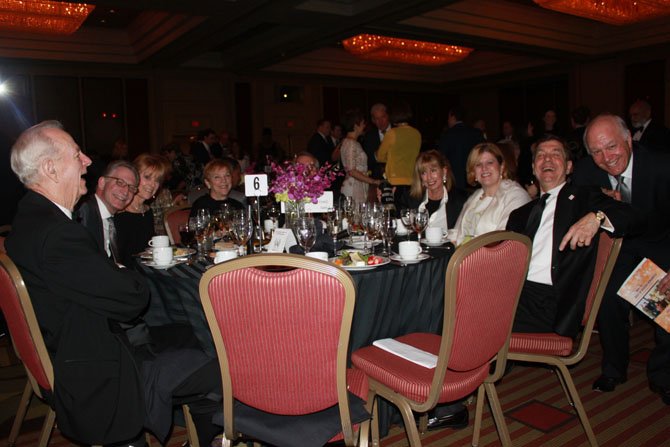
[{"x": 407, "y": 352}]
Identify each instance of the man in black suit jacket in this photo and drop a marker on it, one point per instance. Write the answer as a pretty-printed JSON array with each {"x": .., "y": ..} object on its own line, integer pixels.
[
  {"x": 457, "y": 142},
  {"x": 554, "y": 294},
  {"x": 646, "y": 185},
  {"x": 106, "y": 390},
  {"x": 649, "y": 132},
  {"x": 202, "y": 150},
  {"x": 373, "y": 138},
  {"x": 321, "y": 145},
  {"x": 115, "y": 190}
]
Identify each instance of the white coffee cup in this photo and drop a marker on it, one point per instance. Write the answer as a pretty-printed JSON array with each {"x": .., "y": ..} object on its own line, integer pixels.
[
  {"x": 269, "y": 225},
  {"x": 434, "y": 234},
  {"x": 159, "y": 241},
  {"x": 162, "y": 255},
  {"x": 409, "y": 249},
  {"x": 225, "y": 255},
  {"x": 323, "y": 255}
]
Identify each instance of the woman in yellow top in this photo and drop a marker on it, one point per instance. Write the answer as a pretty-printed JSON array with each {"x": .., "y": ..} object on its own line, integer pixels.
[{"x": 400, "y": 148}]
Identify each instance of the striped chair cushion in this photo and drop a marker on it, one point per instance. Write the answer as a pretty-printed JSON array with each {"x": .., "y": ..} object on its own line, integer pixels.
[
  {"x": 542, "y": 344},
  {"x": 412, "y": 380}
]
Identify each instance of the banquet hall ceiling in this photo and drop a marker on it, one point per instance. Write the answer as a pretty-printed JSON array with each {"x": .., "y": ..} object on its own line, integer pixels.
[{"x": 303, "y": 36}]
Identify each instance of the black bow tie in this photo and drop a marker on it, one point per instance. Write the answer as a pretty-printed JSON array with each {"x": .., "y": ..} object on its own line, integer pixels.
[{"x": 638, "y": 129}]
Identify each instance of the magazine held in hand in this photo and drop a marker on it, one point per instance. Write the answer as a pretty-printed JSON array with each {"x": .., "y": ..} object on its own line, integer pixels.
[{"x": 641, "y": 290}]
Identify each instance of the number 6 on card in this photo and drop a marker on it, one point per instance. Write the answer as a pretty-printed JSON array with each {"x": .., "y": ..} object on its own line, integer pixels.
[{"x": 256, "y": 185}]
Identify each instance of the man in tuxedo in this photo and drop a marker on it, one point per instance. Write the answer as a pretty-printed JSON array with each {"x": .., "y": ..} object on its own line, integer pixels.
[
  {"x": 631, "y": 173},
  {"x": 106, "y": 390},
  {"x": 563, "y": 224},
  {"x": 202, "y": 150},
  {"x": 321, "y": 145},
  {"x": 457, "y": 142},
  {"x": 647, "y": 131},
  {"x": 115, "y": 190}
]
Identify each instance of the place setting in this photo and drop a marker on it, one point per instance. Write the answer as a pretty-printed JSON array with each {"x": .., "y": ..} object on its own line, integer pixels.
[{"x": 161, "y": 255}]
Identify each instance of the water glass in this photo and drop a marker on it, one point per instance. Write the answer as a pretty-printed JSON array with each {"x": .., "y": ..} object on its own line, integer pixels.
[{"x": 305, "y": 232}]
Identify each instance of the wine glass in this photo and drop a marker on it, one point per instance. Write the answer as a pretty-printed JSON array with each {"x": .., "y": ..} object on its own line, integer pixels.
[
  {"x": 187, "y": 234},
  {"x": 203, "y": 233},
  {"x": 305, "y": 232},
  {"x": 243, "y": 227},
  {"x": 388, "y": 228},
  {"x": 273, "y": 212},
  {"x": 406, "y": 216},
  {"x": 371, "y": 226},
  {"x": 334, "y": 225},
  {"x": 420, "y": 221}
]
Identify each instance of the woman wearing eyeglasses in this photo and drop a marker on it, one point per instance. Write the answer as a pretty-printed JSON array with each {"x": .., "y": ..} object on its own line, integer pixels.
[{"x": 135, "y": 225}]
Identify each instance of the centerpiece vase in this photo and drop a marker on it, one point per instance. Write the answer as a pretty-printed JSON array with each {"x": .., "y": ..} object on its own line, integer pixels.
[{"x": 294, "y": 211}]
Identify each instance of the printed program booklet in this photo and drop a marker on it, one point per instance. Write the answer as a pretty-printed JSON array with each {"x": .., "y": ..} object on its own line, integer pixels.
[{"x": 641, "y": 290}]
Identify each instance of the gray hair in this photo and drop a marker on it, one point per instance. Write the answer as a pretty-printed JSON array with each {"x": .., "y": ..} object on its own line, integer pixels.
[
  {"x": 620, "y": 123},
  {"x": 379, "y": 107},
  {"x": 113, "y": 166},
  {"x": 31, "y": 148}
]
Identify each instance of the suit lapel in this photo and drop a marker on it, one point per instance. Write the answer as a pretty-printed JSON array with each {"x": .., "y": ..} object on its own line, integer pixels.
[{"x": 563, "y": 216}]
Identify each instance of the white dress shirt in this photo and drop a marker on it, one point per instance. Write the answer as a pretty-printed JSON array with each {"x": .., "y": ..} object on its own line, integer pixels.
[
  {"x": 627, "y": 175},
  {"x": 540, "y": 259},
  {"x": 104, "y": 215}
]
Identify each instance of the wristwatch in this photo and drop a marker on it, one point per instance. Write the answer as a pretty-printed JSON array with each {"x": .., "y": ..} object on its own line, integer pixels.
[{"x": 600, "y": 216}]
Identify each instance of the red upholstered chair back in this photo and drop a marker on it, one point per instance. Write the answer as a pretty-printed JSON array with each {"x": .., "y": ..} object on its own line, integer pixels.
[
  {"x": 23, "y": 327},
  {"x": 606, "y": 246},
  {"x": 484, "y": 280},
  {"x": 173, "y": 218},
  {"x": 281, "y": 334}
]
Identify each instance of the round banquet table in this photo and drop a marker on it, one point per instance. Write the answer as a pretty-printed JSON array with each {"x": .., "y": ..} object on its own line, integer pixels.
[{"x": 391, "y": 300}]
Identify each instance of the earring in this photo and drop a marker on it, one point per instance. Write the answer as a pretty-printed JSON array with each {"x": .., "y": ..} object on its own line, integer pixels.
[{"x": 444, "y": 178}]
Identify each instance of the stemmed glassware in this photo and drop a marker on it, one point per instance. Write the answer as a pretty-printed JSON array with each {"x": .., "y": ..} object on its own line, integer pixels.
[
  {"x": 305, "y": 232},
  {"x": 406, "y": 216},
  {"x": 243, "y": 227},
  {"x": 203, "y": 232},
  {"x": 388, "y": 228},
  {"x": 419, "y": 222},
  {"x": 371, "y": 221},
  {"x": 334, "y": 225}
]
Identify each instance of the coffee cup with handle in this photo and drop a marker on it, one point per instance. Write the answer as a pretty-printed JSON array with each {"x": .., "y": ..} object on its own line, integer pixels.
[
  {"x": 162, "y": 255},
  {"x": 409, "y": 250},
  {"x": 159, "y": 241}
]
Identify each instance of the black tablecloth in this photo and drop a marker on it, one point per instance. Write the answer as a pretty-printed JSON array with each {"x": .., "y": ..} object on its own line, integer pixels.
[{"x": 391, "y": 300}]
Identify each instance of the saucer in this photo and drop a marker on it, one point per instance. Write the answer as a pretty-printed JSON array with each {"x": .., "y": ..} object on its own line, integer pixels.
[
  {"x": 434, "y": 244},
  {"x": 152, "y": 264},
  {"x": 398, "y": 258}
]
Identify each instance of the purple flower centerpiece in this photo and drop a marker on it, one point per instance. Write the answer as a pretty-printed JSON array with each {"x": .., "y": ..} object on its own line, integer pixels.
[{"x": 296, "y": 182}]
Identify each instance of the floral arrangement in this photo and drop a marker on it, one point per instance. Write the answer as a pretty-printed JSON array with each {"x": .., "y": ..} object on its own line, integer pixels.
[{"x": 296, "y": 182}]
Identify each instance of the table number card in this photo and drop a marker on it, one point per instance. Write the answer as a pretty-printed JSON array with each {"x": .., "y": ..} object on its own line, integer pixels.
[
  {"x": 282, "y": 239},
  {"x": 256, "y": 185}
]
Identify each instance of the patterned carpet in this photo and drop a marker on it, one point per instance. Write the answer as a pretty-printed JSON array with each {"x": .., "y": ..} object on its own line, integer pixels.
[{"x": 537, "y": 412}]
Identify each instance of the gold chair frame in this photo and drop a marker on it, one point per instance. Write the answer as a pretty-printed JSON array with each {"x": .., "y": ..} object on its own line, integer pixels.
[
  {"x": 291, "y": 261},
  {"x": 561, "y": 364},
  {"x": 166, "y": 223}
]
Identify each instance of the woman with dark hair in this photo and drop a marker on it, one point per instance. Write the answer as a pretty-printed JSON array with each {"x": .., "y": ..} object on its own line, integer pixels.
[
  {"x": 399, "y": 149},
  {"x": 489, "y": 207},
  {"x": 433, "y": 189},
  {"x": 354, "y": 159}
]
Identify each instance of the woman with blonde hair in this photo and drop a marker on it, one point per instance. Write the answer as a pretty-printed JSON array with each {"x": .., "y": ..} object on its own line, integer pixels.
[
  {"x": 488, "y": 207},
  {"x": 433, "y": 189},
  {"x": 135, "y": 224}
]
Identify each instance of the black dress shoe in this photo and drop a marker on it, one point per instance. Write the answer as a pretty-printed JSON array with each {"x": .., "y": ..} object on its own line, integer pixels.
[
  {"x": 663, "y": 391},
  {"x": 606, "y": 384},
  {"x": 455, "y": 421}
]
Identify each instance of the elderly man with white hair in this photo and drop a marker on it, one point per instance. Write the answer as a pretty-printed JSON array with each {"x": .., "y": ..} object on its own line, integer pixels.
[{"x": 106, "y": 390}]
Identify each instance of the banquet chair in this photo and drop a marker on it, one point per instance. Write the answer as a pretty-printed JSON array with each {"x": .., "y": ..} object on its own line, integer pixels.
[
  {"x": 281, "y": 325},
  {"x": 173, "y": 218},
  {"x": 30, "y": 348},
  {"x": 4, "y": 231},
  {"x": 483, "y": 282},
  {"x": 561, "y": 352},
  {"x": 28, "y": 345}
]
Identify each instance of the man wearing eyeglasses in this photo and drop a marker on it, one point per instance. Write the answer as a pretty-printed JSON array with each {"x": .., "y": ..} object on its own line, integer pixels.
[{"x": 115, "y": 190}]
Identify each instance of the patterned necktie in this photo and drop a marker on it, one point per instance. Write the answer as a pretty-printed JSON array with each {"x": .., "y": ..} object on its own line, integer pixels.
[
  {"x": 113, "y": 247},
  {"x": 536, "y": 216},
  {"x": 623, "y": 188}
]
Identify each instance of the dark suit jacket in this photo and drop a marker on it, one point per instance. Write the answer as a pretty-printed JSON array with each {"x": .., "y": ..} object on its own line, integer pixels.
[
  {"x": 656, "y": 137},
  {"x": 199, "y": 153},
  {"x": 370, "y": 145},
  {"x": 457, "y": 198},
  {"x": 571, "y": 270},
  {"x": 455, "y": 144},
  {"x": 88, "y": 214},
  {"x": 650, "y": 198},
  {"x": 79, "y": 296},
  {"x": 321, "y": 148}
]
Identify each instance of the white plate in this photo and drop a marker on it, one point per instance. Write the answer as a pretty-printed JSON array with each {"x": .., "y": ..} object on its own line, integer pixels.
[
  {"x": 179, "y": 253},
  {"x": 434, "y": 244},
  {"x": 152, "y": 264},
  {"x": 361, "y": 244},
  {"x": 364, "y": 268},
  {"x": 421, "y": 257}
]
